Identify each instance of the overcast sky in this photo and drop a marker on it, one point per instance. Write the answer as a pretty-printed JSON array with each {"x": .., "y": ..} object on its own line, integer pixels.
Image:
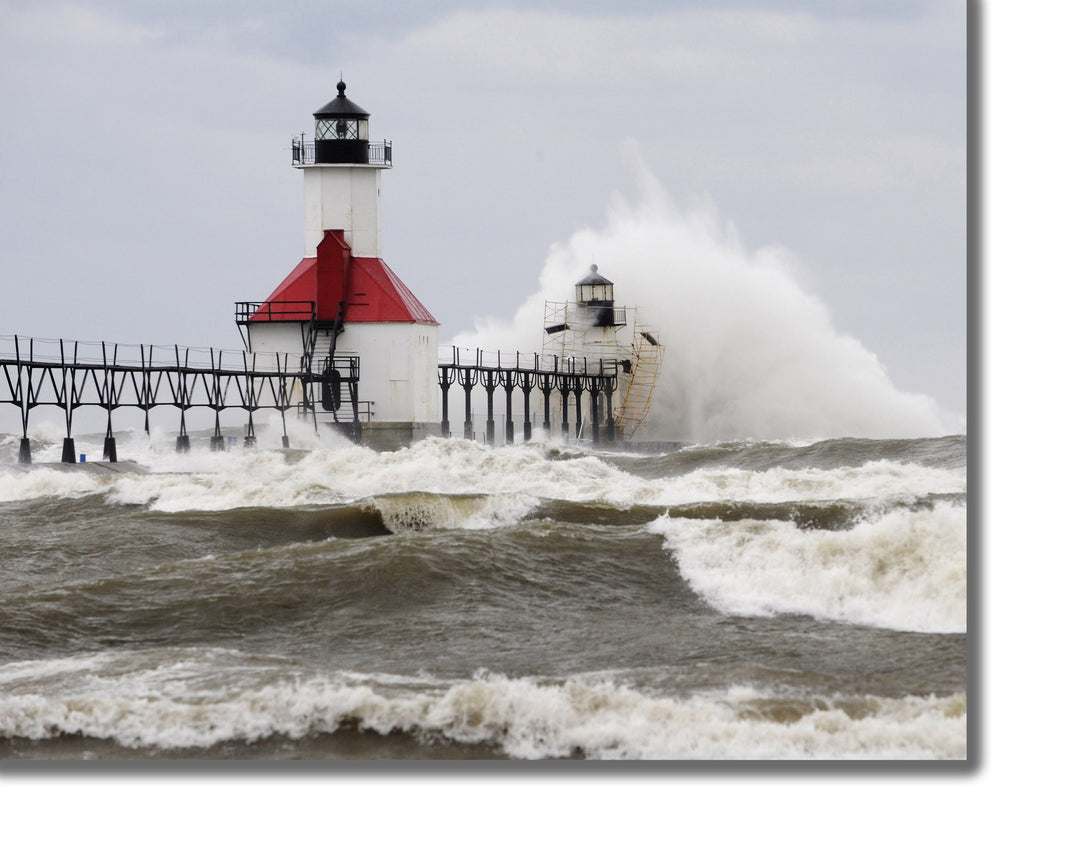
[{"x": 145, "y": 182}]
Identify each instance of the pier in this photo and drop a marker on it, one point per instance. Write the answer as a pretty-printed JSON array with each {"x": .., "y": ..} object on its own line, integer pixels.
[
  {"x": 595, "y": 378},
  {"x": 69, "y": 375},
  {"x": 342, "y": 341}
]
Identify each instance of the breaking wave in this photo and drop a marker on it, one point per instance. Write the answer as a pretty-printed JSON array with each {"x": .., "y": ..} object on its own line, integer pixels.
[
  {"x": 750, "y": 354},
  {"x": 489, "y": 486},
  {"x": 186, "y": 698},
  {"x": 905, "y": 570}
]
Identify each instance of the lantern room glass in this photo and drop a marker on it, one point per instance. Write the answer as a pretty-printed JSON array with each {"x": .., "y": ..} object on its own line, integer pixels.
[
  {"x": 592, "y": 292},
  {"x": 337, "y": 128}
]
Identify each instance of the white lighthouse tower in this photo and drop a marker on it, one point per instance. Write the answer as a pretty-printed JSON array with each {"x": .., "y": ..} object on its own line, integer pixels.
[{"x": 342, "y": 299}]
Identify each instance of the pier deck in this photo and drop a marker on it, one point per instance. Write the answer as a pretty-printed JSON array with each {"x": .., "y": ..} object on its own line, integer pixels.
[{"x": 69, "y": 375}]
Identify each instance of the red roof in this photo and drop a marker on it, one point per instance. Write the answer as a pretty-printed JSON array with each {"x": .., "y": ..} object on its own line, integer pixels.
[{"x": 370, "y": 289}]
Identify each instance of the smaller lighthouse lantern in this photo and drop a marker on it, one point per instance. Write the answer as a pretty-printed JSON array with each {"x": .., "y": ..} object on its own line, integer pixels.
[{"x": 596, "y": 295}]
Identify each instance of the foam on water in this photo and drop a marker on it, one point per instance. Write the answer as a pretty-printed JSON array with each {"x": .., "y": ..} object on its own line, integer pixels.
[
  {"x": 904, "y": 570},
  {"x": 513, "y": 478},
  {"x": 47, "y": 483},
  {"x": 192, "y": 698}
]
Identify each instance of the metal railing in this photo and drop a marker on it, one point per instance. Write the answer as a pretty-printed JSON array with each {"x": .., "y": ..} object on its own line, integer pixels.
[
  {"x": 377, "y": 153},
  {"x": 81, "y": 354},
  {"x": 606, "y": 316},
  {"x": 248, "y": 311},
  {"x": 452, "y": 355}
]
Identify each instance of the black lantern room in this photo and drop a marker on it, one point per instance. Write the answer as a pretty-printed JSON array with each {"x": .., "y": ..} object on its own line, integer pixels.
[
  {"x": 341, "y": 132},
  {"x": 597, "y": 294}
]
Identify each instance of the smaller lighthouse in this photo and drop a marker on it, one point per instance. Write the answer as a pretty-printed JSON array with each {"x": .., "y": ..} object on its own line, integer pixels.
[
  {"x": 342, "y": 299},
  {"x": 594, "y": 328}
]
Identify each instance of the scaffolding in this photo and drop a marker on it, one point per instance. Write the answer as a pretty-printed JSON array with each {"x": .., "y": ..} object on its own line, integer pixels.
[{"x": 646, "y": 358}]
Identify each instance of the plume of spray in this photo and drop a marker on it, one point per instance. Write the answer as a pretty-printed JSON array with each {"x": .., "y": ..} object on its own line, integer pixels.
[{"x": 749, "y": 354}]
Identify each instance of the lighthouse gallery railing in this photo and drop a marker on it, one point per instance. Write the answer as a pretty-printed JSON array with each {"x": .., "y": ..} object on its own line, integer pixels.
[{"x": 375, "y": 153}]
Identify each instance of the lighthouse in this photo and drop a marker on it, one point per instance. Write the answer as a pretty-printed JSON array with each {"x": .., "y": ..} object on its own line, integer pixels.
[
  {"x": 342, "y": 300},
  {"x": 592, "y": 327}
]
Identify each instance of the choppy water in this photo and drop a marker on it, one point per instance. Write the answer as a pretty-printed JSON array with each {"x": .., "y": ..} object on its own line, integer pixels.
[{"x": 450, "y": 600}]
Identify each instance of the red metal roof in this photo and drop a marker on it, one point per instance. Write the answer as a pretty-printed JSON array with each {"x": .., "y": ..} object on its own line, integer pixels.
[
  {"x": 372, "y": 292},
  {"x": 380, "y": 295}
]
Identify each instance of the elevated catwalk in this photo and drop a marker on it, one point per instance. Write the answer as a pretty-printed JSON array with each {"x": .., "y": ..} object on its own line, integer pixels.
[
  {"x": 69, "y": 375},
  {"x": 567, "y": 376}
]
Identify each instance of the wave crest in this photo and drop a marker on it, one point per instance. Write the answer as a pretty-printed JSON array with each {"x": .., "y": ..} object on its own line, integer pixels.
[
  {"x": 188, "y": 699},
  {"x": 904, "y": 570}
]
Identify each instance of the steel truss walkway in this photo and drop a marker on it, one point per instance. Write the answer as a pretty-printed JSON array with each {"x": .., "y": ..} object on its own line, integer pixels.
[
  {"x": 597, "y": 376},
  {"x": 69, "y": 375}
]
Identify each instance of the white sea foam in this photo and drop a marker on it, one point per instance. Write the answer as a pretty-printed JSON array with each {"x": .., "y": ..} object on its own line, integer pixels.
[
  {"x": 879, "y": 479},
  {"x": 904, "y": 570},
  {"x": 44, "y": 483},
  {"x": 514, "y": 478},
  {"x": 185, "y": 698},
  {"x": 608, "y": 720}
]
